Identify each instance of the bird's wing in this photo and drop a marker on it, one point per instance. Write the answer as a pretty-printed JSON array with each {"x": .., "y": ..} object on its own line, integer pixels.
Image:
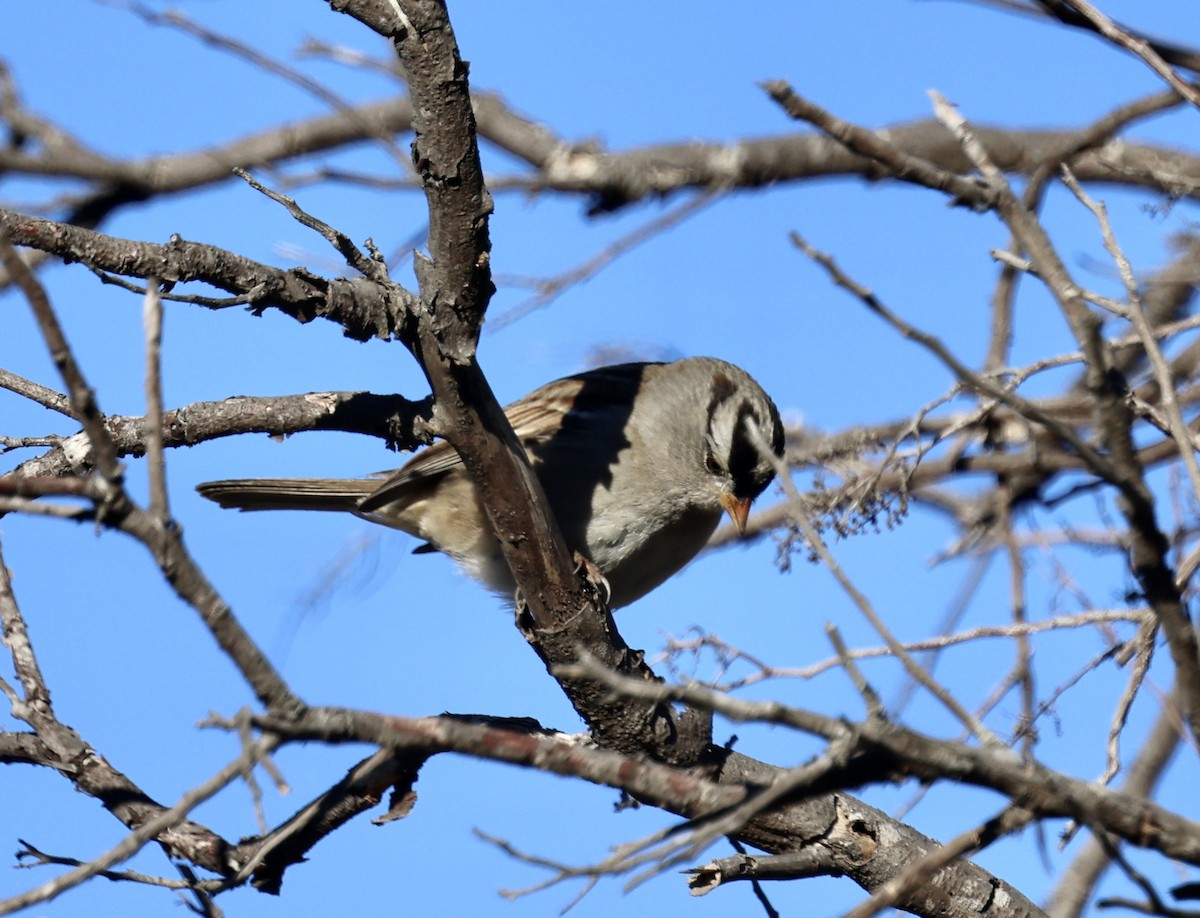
[{"x": 536, "y": 419}]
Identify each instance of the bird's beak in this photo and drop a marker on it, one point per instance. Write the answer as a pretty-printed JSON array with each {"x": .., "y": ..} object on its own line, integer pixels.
[{"x": 738, "y": 509}]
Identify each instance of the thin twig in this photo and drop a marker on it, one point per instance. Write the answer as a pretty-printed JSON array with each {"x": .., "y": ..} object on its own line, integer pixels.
[
  {"x": 1137, "y": 46},
  {"x": 144, "y": 833},
  {"x": 1098, "y": 133},
  {"x": 152, "y": 320},
  {"x": 1141, "y": 324},
  {"x": 914, "y": 669},
  {"x": 174, "y": 18},
  {"x": 550, "y": 290},
  {"x": 866, "y": 692},
  {"x": 875, "y": 146},
  {"x": 767, "y": 671},
  {"x": 1144, "y": 643},
  {"x": 209, "y": 302},
  {"x": 980, "y": 383},
  {"x": 339, "y": 240},
  {"x": 30, "y": 853}
]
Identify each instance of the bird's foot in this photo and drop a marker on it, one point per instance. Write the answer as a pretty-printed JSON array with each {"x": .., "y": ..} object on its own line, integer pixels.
[
  {"x": 593, "y": 575},
  {"x": 521, "y": 608}
]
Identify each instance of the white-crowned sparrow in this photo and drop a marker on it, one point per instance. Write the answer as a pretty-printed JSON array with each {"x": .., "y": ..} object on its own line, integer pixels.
[{"x": 638, "y": 462}]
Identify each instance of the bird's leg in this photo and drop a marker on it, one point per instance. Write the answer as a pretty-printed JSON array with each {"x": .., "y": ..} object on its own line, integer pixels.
[{"x": 584, "y": 567}]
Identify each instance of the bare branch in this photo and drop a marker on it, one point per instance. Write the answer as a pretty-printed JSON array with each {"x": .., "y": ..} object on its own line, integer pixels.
[
  {"x": 1038, "y": 788},
  {"x": 1126, "y": 39},
  {"x": 357, "y": 305},
  {"x": 400, "y": 422},
  {"x": 134, "y": 842},
  {"x": 1007, "y": 821},
  {"x": 152, "y": 319},
  {"x": 339, "y": 240}
]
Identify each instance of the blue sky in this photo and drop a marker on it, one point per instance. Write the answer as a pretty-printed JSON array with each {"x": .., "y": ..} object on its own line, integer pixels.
[{"x": 131, "y": 667}]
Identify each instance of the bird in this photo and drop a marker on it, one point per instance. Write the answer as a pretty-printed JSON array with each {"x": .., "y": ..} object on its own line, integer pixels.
[{"x": 638, "y": 461}]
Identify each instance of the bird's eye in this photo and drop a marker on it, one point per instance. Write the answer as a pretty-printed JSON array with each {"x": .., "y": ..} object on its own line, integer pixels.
[{"x": 710, "y": 463}]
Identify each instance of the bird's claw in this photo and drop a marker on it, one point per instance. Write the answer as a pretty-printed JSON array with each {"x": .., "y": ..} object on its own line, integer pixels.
[
  {"x": 594, "y": 575},
  {"x": 523, "y": 616}
]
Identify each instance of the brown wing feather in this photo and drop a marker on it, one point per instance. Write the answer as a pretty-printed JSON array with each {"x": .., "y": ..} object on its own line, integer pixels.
[{"x": 535, "y": 418}]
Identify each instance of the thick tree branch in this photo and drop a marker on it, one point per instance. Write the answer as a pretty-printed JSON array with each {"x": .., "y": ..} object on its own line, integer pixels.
[
  {"x": 455, "y": 283},
  {"x": 900, "y": 750},
  {"x": 841, "y": 833}
]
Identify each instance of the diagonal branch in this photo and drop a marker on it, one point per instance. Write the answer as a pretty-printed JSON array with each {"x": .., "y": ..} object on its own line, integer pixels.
[
  {"x": 564, "y": 611},
  {"x": 1085, "y": 15}
]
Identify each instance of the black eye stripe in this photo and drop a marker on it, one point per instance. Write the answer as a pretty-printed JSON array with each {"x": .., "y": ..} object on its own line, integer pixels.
[
  {"x": 746, "y": 467},
  {"x": 743, "y": 454}
]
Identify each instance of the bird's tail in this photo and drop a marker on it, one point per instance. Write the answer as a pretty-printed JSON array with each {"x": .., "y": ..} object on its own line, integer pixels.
[{"x": 339, "y": 494}]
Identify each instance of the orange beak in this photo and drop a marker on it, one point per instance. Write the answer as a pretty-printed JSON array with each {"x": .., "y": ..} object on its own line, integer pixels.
[{"x": 738, "y": 509}]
